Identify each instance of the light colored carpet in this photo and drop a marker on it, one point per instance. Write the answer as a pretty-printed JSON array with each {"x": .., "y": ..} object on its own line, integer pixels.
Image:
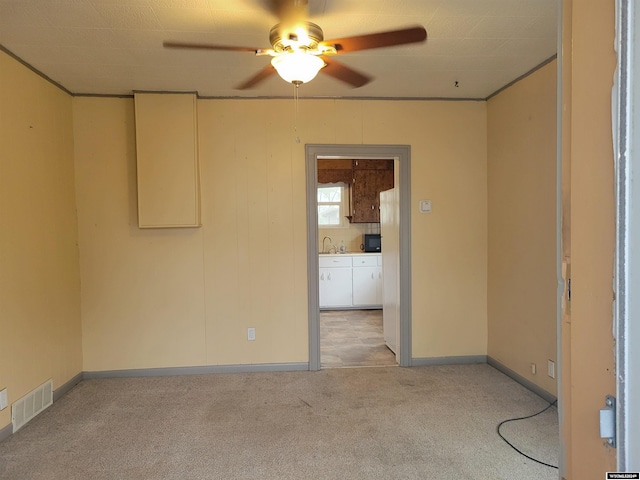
[{"x": 358, "y": 423}]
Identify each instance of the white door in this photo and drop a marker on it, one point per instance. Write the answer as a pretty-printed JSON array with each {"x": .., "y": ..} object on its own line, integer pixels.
[{"x": 390, "y": 228}]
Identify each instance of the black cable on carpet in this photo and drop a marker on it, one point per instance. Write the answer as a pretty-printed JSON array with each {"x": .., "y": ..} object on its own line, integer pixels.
[{"x": 524, "y": 418}]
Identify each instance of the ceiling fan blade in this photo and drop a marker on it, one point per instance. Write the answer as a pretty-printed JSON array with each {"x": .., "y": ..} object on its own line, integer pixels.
[
  {"x": 378, "y": 40},
  {"x": 346, "y": 74},
  {"x": 207, "y": 46},
  {"x": 263, "y": 74}
]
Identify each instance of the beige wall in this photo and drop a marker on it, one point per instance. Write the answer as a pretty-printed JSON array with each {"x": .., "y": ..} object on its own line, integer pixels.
[
  {"x": 590, "y": 348},
  {"x": 522, "y": 274},
  {"x": 142, "y": 289},
  {"x": 186, "y": 297},
  {"x": 449, "y": 246},
  {"x": 40, "y": 335}
]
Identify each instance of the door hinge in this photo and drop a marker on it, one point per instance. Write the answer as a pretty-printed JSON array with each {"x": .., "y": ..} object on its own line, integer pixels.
[{"x": 608, "y": 421}]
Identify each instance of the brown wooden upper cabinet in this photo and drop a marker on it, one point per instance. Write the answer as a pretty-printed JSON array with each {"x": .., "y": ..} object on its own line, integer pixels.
[
  {"x": 367, "y": 179},
  {"x": 370, "y": 177}
]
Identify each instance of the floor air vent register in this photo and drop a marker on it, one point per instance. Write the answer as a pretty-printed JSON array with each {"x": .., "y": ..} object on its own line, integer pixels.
[{"x": 31, "y": 405}]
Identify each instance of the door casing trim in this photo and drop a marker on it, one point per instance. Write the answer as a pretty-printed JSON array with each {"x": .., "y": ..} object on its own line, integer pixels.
[{"x": 403, "y": 154}]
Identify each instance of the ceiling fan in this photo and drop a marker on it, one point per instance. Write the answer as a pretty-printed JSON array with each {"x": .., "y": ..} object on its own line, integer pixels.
[{"x": 299, "y": 51}]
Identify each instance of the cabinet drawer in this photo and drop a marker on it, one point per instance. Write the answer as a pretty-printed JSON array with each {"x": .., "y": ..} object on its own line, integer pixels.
[
  {"x": 334, "y": 261},
  {"x": 365, "y": 261}
]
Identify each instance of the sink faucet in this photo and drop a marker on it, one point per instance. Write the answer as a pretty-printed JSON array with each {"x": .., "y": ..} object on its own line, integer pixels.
[{"x": 330, "y": 245}]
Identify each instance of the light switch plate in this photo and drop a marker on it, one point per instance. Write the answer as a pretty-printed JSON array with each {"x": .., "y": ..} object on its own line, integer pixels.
[{"x": 425, "y": 206}]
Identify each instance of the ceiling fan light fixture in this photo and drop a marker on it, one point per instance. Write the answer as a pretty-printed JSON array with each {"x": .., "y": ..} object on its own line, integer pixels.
[{"x": 297, "y": 67}]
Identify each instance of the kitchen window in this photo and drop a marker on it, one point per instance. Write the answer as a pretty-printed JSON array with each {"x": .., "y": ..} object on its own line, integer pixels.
[{"x": 332, "y": 206}]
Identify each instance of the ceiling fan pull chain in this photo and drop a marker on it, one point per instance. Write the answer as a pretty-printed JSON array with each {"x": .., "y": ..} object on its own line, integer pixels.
[{"x": 295, "y": 113}]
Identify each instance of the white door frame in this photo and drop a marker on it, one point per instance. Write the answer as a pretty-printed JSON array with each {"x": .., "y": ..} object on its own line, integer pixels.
[
  {"x": 403, "y": 154},
  {"x": 626, "y": 132}
]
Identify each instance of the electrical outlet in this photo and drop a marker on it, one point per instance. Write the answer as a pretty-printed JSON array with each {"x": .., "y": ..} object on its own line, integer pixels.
[
  {"x": 251, "y": 334},
  {"x": 551, "y": 369},
  {"x": 533, "y": 369},
  {"x": 3, "y": 399}
]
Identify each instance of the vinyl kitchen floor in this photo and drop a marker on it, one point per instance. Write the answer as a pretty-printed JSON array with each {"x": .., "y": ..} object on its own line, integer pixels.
[{"x": 353, "y": 338}]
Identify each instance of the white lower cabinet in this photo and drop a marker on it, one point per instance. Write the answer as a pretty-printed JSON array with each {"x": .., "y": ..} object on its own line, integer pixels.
[
  {"x": 336, "y": 287},
  {"x": 367, "y": 281},
  {"x": 350, "y": 281},
  {"x": 365, "y": 286}
]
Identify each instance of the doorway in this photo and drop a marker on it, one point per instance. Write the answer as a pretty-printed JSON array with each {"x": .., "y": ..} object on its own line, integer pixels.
[
  {"x": 401, "y": 156},
  {"x": 356, "y": 327}
]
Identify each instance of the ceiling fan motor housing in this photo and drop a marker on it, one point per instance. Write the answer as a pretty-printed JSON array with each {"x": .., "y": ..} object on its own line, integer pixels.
[{"x": 305, "y": 35}]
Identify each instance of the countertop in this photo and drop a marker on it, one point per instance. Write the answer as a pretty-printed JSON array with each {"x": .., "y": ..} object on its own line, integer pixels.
[{"x": 352, "y": 254}]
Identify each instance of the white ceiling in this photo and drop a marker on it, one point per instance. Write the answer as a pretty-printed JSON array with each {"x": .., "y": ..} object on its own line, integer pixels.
[{"x": 114, "y": 47}]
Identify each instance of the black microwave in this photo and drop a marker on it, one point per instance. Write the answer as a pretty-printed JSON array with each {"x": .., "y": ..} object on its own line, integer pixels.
[{"x": 372, "y": 242}]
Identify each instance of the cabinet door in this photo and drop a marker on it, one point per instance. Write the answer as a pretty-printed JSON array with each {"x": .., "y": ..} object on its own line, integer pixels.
[
  {"x": 335, "y": 287},
  {"x": 384, "y": 182},
  {"x": 167, "y": 160},
  {"x": 365, "y": 286},
  {"x": 365, "y": 196}
]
